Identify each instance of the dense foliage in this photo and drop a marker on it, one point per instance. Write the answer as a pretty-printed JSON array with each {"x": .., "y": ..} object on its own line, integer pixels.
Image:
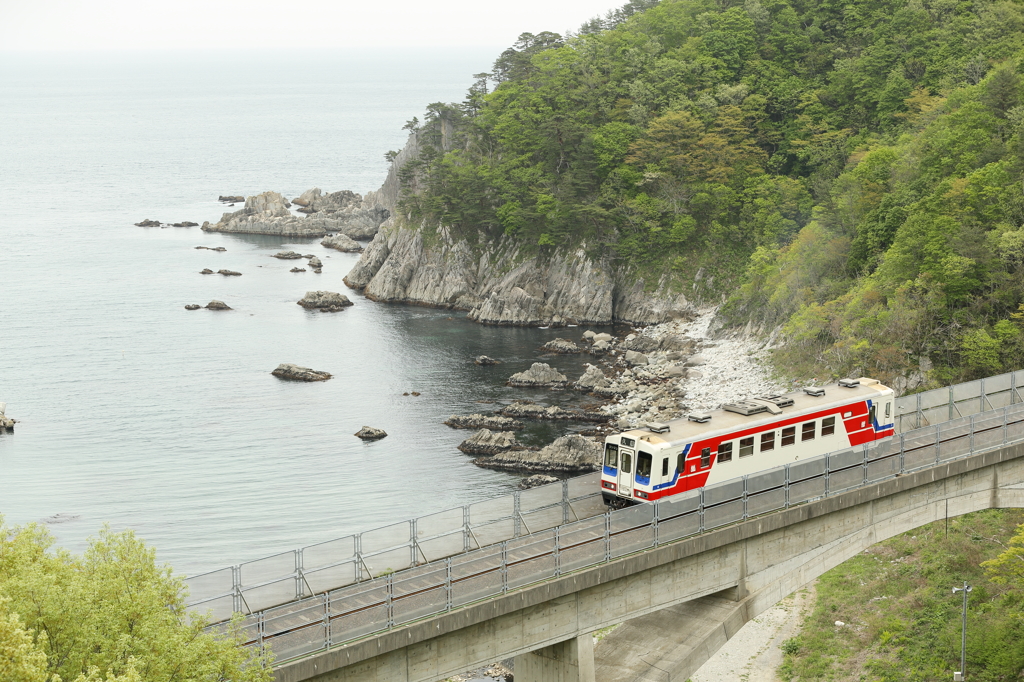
[
  {"x": 856, "y": 167},
  {"x": 110, "y": 615},
  {"x": 901, "y": 620}
]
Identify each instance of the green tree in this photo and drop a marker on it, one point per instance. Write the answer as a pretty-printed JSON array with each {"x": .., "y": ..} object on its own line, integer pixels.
[{"x": 113, "y": 611}]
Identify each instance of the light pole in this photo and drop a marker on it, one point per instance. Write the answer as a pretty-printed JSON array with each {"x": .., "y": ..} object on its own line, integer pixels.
[{"x": 959, "y": 676}]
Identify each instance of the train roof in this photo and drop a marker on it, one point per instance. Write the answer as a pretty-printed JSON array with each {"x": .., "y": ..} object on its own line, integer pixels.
[{"x": 685, "y": 430}]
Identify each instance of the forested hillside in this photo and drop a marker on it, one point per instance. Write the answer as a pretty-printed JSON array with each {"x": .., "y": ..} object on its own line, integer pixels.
[{"x": 847, "y": 171}]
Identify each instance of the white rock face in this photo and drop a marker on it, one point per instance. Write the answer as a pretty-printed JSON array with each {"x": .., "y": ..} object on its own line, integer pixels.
[
  {"x": 571, "y": 454},
  {"x": 342, "y": 242},
  {"x": 487, "y": 442},
  {"x": 343, "y": 212}
]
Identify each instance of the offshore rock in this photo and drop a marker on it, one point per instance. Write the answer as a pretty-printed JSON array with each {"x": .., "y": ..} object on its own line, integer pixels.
[
  {"x": 540, "y": 375},
  {"x": 536, "y": 481},
  {"x": 321, "y": 300},
  {"x": 487, "y": 442},
  {"x": 535, "y": 411},
  {"x": 297, "y": 270},
  {"x": 561, "y": 346},
  {"x": 288, "y": 255},
  {"x": 296, "y": 373},
  {"x": 218, "y": 305},
  {"x": 148, "y": 223},
  {"x": 6, "y": 423},
  {"x": 346, "y": 212},
  {"x": 268, "y": 213},
  {"x": 231, "y": 199},
  {"x": 485, "y": 360},
  {"x": 481, "y": 421},
  {"x": 215, "y": 248},
  {"x": 370, "y": 433},
  {"x": 193, "y": 306},
  {"x": 572, "y": 454},
  {"x": 229, "y": 273},
  {"x": 206, "y": 271},
  {"x": 343, "y": 243}
]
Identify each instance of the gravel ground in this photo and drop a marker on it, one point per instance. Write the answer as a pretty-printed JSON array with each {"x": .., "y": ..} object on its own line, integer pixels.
[{"x": 754, "y": 654}]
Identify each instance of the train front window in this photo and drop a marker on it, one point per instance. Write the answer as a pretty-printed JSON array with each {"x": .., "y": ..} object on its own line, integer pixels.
[
  {"x": 767, "y": 441},
  {"x": 788, "y": 435},
  {"x": 627, "y": 463},
  {"x": 611, "y": 455},
  {"x": 725, "y": 452},
  {"x": 746, "y": 447},
  {"x": 643, "y": 465},
  {"x": 828, "y": 426},
  {"x": 807, "y": 431}
]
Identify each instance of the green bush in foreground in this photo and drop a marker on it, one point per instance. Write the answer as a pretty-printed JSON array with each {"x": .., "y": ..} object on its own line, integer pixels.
[
  {"x": 901, "y": 621},
  {"x": 109, "y": 615}
]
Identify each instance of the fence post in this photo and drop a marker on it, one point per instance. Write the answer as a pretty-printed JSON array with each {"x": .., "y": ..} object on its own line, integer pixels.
[
  {"x": 971, "y": 439},
  {"x": 413, "y": 556},
  {"x": 700, "y": 511},
  {"x": 298, "y": 573},
  {"x": 903, "y": 453},
  {"x": 236, "y": 589},
  {"x": 608, "y": 535},
  {"x": 558, "y": 567},
  {"x": 466, "y": 532},
  {"x": 657, "y": 520},
  {"x": 389, "y": 599},
  {"x": 357, "y": 543},
  {"x": 785, "y": 486},
  {"x": 448, "y": 584},
  {"x": 981, "y": 401},
  {"x": 745, "y": 498},
  {"x": 828, "y": 464},
  {"x": 952, "y": 405},
  {"x": 327, "y": 618},
  {"x": 517, "y": 518},
  {"x": 1006, "y": 432},
  {"x": 864, "y": 465},
  {"x": 504, "y": 566},
  {"x": 565, "y": 501},
  {"x": 938, "y": 444}
]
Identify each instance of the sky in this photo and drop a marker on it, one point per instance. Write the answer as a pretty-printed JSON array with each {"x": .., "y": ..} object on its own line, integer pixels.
[{"x": 50, "y": 25}]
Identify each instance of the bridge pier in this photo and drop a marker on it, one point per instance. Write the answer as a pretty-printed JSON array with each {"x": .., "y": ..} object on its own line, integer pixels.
[{"x": 568, "y": 661}]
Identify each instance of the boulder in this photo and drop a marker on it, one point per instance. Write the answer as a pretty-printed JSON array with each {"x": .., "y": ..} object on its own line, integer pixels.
[
  {"x": 229, "y": 273},
  {"x": 634, "y": 358},
  {"x": 206, "y": 271},
  {"x": 487, "y": 442},
  {"x": 589, "y": 335},
  {"x": 535, "y": 481},
  {"x": 193, "y": 306},
  {"x": 641, "y": 344},
  {"x": 329, "y": 300},
  {"x": 481, "y": 421},
  {"x": 603, "y": 336},
  {"x": 370, "y": 433},
  {"x": 484, "y": 360},
  {"x": 696, "y": 361},
  {"x": 561, "y": 346},
  {"x": 540, "y": 375},
  {"x": 218, "y": 305},
  {"x": 315, "y": 263},
  {"x": 342, "y": 242},
  {"x": 573, "y": 454},
  {"x": 148, "y": 223},
  {"x": 288, "y": 255},
  {"x": 592, "y": 378},
  {"x": 296, "y": 373}
]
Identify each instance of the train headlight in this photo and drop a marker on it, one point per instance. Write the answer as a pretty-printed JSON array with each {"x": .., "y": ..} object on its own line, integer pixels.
[
  {"x": 641, "y": 494},
  {"x": 608, "y": 484}
]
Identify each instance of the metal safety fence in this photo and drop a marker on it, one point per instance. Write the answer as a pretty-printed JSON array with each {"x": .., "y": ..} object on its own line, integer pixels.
[
  {"x": 341, "y": 615},
  {"x": 961, "y": 400}
]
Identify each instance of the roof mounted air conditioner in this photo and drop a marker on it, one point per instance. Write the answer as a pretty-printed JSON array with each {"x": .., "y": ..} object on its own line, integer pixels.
[
  {"x": 849, "y": 383},
  {"x": 699, "y": 417},
  {"x": 658, "y": 427},
  {"x": 745, "y": 407},
  {"x": 780, "y": 400},
  {"x": 816, "y": 391}
]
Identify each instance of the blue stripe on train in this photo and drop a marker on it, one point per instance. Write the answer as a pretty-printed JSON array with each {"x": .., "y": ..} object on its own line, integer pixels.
[{"x": 675, "y": 477}]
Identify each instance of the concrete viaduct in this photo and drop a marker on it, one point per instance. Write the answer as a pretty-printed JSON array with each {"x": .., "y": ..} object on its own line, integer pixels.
[{"x": 705, "y": 586}]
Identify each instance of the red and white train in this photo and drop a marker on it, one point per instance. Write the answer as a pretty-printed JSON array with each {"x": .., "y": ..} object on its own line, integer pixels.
[{"x": 743, "y": 438}]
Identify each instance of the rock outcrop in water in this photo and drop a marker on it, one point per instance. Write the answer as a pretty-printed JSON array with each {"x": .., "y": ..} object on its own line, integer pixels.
[
  {"x": 370, "y": 433},
  {"x": 540, "y": 375},
  {"x": 556, "y": 413},
  {"x": 344, "y": 212},
  {"x": 324, "y": 300},
  {"x": 295, "y": 373},
  {"x": 481, "y": 421},
  {"x": 573, "y": 454},
  {"x": 343, "y": 243},
  {"x": 217, "y": 305},
  {"x": 6, "y": 423},
  {"x": 486, "y": 442}
]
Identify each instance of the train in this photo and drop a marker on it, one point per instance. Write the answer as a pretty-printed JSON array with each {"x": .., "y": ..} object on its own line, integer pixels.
[{"x": 743, "y": 438}]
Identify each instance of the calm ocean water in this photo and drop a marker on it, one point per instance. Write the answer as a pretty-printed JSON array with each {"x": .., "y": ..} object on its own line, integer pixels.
[{"x": 140, "y": 414}]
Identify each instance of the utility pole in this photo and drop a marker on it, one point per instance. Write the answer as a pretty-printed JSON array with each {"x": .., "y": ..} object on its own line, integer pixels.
[{"x": 960, "y": 676}]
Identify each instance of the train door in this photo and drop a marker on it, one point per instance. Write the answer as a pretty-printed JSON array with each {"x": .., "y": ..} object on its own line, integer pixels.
[{"x": 625, "y": 483}]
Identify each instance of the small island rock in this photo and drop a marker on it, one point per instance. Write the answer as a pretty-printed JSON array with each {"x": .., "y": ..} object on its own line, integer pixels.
[
  {"x": 295, "y": 373},
  {"x": 370, "y": 433},
  {"x": 485, "y": 360},
  {"x": 206, "y": 271},
  {"x": 148, "y": 223},
  {"x": 288, "y": 255},
  {"x": 487, "y": 442},
  {"x": 218, "y": 305},
  {"x": 193, "y": 306},
  {"x": 321, "y": 300},
  {"x": 540, "y": 375},
  {"x": 561, "y": 346},
  {"x": 569, "y": 454},
  {"x": 480, "y": 421},
  {"x": 229, "y": 273},
  {"x": 297, "y": 270}
]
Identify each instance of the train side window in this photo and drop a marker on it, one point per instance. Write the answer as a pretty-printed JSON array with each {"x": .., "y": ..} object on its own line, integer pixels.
[
  {"x": 767, "y": 441},
  {"x": 664, "y": 468},
  {"x": 747, "y": 447},
  {"x": 888, "y": 411},
  {"x": 807, "y": 431},
  {"x": 725, "y": 452},
  {"x": 627, "y": 463},
  {"x": 788, "y": 435},
  {"x": 644, "y": 460},
  {"x": 611, "y": 455},
  {"x": 705, "y": 458},
  {"x": 828, "y": 426},
  {"x": 681, "y": 463}
]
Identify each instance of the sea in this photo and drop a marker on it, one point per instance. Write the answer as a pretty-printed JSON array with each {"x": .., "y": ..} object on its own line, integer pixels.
[{"x": 138, "y": 414}]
